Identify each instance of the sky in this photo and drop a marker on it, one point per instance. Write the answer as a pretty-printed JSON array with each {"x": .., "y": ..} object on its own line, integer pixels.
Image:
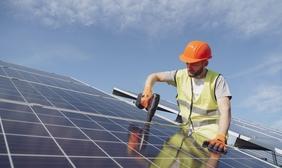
[{"x": 118, "y": 43}]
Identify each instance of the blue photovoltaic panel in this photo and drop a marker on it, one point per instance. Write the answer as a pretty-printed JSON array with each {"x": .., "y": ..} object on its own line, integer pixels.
[
  {"x": 33, "y": 71},
  {"x": 50, "y": 122},
  {"x": 45, "y": 78}
]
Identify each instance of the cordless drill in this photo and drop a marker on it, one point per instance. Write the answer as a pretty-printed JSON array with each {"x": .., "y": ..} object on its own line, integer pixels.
[{"x": 152, "y": 107}]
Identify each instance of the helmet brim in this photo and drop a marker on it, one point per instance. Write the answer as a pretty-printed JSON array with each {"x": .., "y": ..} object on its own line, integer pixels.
[{"x": 191, "y": 60}]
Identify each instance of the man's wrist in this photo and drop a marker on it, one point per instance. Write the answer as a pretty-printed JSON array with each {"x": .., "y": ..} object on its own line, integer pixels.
[{"x": 221, "y": 137}]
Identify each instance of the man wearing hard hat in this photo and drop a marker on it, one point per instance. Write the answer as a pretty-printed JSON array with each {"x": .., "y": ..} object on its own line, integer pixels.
[{"x": 203, "y": 95}]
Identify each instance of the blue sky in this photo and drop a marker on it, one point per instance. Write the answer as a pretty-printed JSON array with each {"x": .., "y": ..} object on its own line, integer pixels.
[{"x": 118, "y": 43}]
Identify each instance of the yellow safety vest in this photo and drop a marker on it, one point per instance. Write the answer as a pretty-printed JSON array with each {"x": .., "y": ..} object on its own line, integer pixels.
[
  {"x": 181, "y": 149},
  {"x": 204, "y": 111}
]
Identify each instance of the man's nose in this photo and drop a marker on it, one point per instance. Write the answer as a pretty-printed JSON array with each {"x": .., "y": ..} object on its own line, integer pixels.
[{"x": 190, "y": 67}]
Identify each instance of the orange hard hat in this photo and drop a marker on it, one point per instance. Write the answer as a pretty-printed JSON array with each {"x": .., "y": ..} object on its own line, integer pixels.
[{"x": 196, "y": 51}]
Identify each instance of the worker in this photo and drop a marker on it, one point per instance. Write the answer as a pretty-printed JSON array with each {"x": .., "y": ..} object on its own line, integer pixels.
[{"x": 203, "y": 95}]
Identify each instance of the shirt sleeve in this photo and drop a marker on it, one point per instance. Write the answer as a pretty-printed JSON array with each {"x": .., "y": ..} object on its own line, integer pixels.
[
  {"x": 222, "y": 88},
  {"x": 169, "y": 77}
]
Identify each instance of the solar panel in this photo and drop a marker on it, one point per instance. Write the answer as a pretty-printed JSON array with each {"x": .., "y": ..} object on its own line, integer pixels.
[{"x": 49, "y": 120}]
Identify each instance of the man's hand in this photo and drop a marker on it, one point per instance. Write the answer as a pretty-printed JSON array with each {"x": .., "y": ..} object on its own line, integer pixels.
[
  {"x": 218, "y": 144},
  {"x": 146, "y": 96}
]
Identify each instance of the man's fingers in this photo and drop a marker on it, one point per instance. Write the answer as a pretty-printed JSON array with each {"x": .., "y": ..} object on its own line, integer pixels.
[
  {"x": 144, "y": 102},
  {"x": 221, "y": 147},
  {"x": 215, "y": 147},
  {"x": 211, "y": 144}
]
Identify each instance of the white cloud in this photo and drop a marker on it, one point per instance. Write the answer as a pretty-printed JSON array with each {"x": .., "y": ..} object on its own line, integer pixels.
[
  {"x": 253, "y": 17},
  {"x": 266, "y": 99},
  {"x": 246, "y": 17},
  {"x": 49, "y": 54},
  {"x": 265, "y": 93},
  {"x": 269, "y": 66}
]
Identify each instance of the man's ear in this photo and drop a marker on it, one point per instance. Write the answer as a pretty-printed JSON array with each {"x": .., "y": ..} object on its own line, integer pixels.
[{"x": 206, "y": 63}]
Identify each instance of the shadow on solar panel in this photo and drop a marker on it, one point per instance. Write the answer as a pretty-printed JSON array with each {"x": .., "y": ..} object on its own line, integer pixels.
[{"x": 50, "y": 120}]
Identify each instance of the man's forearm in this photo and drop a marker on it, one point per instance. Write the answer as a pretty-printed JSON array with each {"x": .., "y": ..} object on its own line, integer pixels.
[
  {"x": 224, "y": 106},
  {"x": 150, "y": 81},
  {"x": 155, "y": 77}
]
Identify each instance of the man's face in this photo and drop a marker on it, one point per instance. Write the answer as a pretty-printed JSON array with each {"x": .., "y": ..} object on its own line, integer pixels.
[{"x": 196, "y": 69}]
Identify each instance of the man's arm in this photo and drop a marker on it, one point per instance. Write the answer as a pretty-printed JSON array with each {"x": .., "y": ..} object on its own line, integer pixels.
[
  {"x": 156, "y": 77},
  {"x": 224, "y": 107},
  {"x": 219, "y": 142},
  {"x": 151, "y": 80}
]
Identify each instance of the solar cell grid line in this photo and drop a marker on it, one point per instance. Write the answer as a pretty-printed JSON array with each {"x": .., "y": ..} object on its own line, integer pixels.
[
  {"x": 60, "y": 148},
  {"x": 77, "y": 112},
  {"x": 14, "y": 106},
  {"x": 249, "y": 160},
  {"x": 222, "y": 164},
  {"x": 8, "y": 91},
  {"x": 258, "y": 162},
  {"x": 23, "y": 75},
  {"x": 49, "y": 94},
  {"x": 94, "y": 100},
  {"x": 52, "y": 86},
  {"x": 97, "y": 105},
  {"x": 124, "y": 111},
  {"x": 35, "y": 71},
  {"x": 261, "y": 138},
  {"x": 266, "y": 155},
  {"x": 68, "y": 131},
  {"x": 81, "y": 105},
  {"x": 73, "y": 101},
  {"x": 237, "y": 162},
  {"x": 90, "y": 138},
  {"x": 80, "y": 87},
  {"x": 14, "y": 115},
  {"x": 37, "y": 78},
  {"x": 113, "y": 107},
  {"x": 11, "y": 73},
  {"x": 122, "y": 141},
  {"x": 270, "y": 132},
  {"x": 94, "y": 90},
  {"x": 6, "y": 144},
  {"x": 2, "y": 73},
  {"x": 20, "y": 75},
  {"x": 30, "y": 94},
  {"x": 54, "y": 120},
  {"x": 155, "y": 139},
  {"x": 85, "y": 134},
  {"x": 48, "y": 81},
  {"x": 256, "y": 125},
  {"x": 246, "y": 131}
]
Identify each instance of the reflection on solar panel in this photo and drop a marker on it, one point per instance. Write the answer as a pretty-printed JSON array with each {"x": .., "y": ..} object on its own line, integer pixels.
[{"x": 49, "y": 120}]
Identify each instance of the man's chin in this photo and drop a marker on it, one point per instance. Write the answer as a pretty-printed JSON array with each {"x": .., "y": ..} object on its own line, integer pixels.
[
  {"x": 194, "y": 75},
  {"x": 191, "y": 75}
]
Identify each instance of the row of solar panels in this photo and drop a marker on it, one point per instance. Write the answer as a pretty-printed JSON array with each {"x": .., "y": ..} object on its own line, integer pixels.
[{"x": 49, "y": 120}]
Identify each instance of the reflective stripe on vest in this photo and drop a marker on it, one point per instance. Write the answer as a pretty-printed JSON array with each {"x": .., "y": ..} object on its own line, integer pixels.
[{"x": 204, "y": 109}]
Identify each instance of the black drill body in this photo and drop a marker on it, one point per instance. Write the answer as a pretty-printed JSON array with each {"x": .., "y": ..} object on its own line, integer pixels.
[{"x": 152, "y": 107}]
